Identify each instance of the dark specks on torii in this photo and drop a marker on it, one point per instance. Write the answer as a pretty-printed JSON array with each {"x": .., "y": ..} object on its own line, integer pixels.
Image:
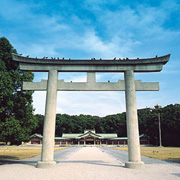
[{"x": 93, "y": 59}]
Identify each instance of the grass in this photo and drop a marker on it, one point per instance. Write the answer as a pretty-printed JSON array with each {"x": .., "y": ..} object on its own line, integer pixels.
[
  {"x": 162, "y": 153},
  {"x": 16, "y": 153}
]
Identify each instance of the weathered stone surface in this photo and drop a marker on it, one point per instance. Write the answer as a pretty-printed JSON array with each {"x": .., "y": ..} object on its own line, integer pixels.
[
  {"x": 47, "y": 156},
  {"x": 134, "y": 155},
  {"x": 91, "y": 85},
  {"x": 44, "y": 164},
  {"x": 137, "y": 65},
  {"x": 135, "y": 165}
]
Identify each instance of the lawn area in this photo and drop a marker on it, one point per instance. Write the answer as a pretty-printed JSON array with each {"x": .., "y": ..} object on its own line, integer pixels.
[
  {"x": 162, "y": 153},
  {"x": 16, "y": 152}
]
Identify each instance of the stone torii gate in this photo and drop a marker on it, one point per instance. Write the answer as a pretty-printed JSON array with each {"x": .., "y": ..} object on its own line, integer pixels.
[{"x": 129, "y": 85}]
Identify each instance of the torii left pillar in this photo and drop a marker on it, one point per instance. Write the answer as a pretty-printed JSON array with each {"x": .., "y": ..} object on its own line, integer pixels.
[
  {"x": 134, "y": 155},
  {"x": 47, "y": 156}
]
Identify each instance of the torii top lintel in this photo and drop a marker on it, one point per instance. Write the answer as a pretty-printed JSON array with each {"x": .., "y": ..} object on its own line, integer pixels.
[{"x": 83, "y": 65}]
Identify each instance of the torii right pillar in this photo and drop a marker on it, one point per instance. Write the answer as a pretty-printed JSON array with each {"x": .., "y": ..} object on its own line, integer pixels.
[{"x": 134, "y": 154}]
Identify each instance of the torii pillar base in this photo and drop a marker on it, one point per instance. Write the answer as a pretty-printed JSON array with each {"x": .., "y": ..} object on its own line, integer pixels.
[
  {"x": 44, "y": 164},
  {"x": 135, "y": 165}
]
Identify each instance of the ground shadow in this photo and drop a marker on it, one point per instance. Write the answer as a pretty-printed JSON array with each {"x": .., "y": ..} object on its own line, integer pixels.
[
  {"x": 8, "y": 161},
  {"x": 33, "y": 163},
  {"x": 100, "y": 163},
  {"x": 176, "y": 174},
  {"x": 8, "y": 157},
  {"x": 173, "y": 160}
]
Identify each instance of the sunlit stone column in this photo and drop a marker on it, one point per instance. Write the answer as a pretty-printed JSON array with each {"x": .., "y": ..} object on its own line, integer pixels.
[
  {"x": 91, "y": 77},
  {"x": 134, "y": 156},
  {"x": 84, "y": 141},
  {"x": 47, "y": 155}
]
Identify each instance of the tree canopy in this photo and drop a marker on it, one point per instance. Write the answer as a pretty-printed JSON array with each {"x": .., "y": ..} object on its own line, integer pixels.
[
  {"x": 16, "y": 110},
  {"x": 170, "y": 124},
  {"x": 148, "y": 124}
]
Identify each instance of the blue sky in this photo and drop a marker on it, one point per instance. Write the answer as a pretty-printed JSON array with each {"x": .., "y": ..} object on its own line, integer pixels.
[{"x": 100, "y": 29}]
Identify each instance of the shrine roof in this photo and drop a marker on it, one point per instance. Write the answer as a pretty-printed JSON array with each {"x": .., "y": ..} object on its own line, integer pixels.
[
  {"x": 89, "y": 134},
  {"x": 36, "y": 135}
]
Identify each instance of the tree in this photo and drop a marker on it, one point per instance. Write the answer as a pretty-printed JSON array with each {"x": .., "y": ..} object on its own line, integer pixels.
[
  {"x": 63, "y": 124},
  {"x": 39, "y": 127},
  {"x": 170, "y": 125},
  {"x": 16, "y": 111}
]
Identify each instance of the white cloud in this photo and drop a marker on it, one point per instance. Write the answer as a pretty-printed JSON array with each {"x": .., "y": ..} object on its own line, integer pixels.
[
  {"x": 12, "y": 10},
  {"x": 39, "y": 99},
  {"x": 106, "y": 33},
  {"x": 51, "y": 24},
  {"x": 38, "y": 76},
  {"x": 41, "y": 50},
  {"x": 116, "y": 47},
  {"x": 94, "y": 103},
  {"x": 74, "y": 77},
  {"x": 92, "y": 43}
]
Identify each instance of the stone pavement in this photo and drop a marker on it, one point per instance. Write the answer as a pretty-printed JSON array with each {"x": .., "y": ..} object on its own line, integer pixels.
[{"x": 90, "y": 163}]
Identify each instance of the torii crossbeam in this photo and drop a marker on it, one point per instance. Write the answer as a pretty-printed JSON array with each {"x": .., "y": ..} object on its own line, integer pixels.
[
  {"x": 129, "y": 85},
  {"x": 91, "y": 85}
]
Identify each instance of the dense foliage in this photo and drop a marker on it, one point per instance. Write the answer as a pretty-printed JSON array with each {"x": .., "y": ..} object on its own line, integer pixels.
[
  {"x": 170, "y": 124},
  {"x": 16, "y": 112},
  {"x": 148, "y": 124}
]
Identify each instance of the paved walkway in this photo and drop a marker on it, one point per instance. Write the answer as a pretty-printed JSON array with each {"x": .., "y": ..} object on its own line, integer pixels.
[{"x": 90, "y": 163}]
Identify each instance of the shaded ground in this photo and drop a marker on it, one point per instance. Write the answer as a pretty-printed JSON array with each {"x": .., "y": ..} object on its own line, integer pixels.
[
  {"x": 21, "y": 152},
  {"x": 58, "y": 155},
  {"x": 170, "y": 154},
  {"x": 122, "y": 156},
  {"x": 90, "y": 163}
]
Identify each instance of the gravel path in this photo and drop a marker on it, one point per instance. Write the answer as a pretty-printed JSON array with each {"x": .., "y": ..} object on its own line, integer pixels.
[{"x": 90, "y": 163}]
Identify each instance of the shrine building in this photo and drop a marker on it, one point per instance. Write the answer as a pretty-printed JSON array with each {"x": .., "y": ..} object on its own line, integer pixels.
[{"x": 89, "y": 137}]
